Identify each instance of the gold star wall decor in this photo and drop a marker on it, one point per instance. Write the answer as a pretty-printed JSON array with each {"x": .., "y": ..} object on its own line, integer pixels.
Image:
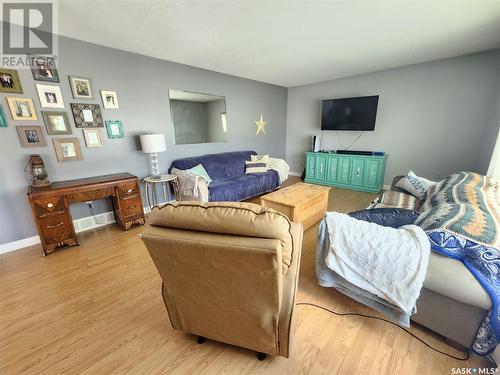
[{"x": 261, "y": 125}]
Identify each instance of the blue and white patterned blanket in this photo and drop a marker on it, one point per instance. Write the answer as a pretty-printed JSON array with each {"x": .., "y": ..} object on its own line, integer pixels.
[
  {"x": 484, "y": 263},
  {"x": 461, "y": 218}
]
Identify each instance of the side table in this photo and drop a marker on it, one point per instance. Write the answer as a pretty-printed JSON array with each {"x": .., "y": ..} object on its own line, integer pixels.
[{"x": 151, "y": 191}]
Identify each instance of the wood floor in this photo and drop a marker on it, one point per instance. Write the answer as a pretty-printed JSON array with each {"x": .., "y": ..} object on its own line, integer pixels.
[{"x": 97, "y": 309}]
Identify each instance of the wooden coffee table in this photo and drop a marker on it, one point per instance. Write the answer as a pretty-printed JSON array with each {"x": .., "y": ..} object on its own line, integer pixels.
[{"x": 301, "y": 202}]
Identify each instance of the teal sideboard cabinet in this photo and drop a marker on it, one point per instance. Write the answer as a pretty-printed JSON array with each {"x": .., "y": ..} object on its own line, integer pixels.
[{"x": 355, "y": 172}]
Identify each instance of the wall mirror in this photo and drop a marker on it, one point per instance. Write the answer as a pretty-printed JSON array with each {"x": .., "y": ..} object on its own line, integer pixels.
[{"x": 198, "y": 118}]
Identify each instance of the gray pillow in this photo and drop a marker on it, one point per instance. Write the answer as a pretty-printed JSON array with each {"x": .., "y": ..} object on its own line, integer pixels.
[{"x": 416, "y": 186}]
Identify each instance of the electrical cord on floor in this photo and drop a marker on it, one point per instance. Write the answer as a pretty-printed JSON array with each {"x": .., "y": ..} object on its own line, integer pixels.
[{"x": 384, "y": 320}]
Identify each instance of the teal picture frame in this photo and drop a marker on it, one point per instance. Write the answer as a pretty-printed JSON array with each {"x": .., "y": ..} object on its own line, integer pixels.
[
  {"x": 114, "y": 128},
  {"x": 3, "y": 120}
]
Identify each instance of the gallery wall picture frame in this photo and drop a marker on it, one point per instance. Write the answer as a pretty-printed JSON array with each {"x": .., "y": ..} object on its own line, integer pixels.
[
  {"x": 3, "y": 119},
  {"x": 67, "y": 149},
  {"x": 114, "y": 128},
  {"x": 94, "y": 137},
  {"x": 30, "y": 136},
  {"x": 56, "y": 123},
  {"x": 109, "y": 99},
  {"x": 43, "y": 68},
  {"x": 80, "y": 87},
  {"x": 87, "y": 115},
  {"x": 10, "y": 82},
  {"x": 22, "y": 109},
  {"x": 50, "y": 96}
]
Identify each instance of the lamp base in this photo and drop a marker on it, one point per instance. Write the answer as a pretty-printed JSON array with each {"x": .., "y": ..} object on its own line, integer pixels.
[{"x": 155, "y": 170}]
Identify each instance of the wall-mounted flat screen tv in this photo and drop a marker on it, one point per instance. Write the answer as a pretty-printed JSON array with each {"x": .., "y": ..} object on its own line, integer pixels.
[{"x": 357, "y": 113}]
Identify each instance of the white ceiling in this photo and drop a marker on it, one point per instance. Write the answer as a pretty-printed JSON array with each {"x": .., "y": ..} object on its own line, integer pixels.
[{"x": 288, "y": 43}]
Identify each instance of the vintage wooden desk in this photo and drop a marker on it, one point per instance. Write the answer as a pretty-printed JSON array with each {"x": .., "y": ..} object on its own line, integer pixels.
[{"x": 50, "y": 205}]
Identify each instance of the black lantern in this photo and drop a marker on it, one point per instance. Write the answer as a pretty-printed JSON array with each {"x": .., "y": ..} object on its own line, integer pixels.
[{"x": 36, "y": 168}]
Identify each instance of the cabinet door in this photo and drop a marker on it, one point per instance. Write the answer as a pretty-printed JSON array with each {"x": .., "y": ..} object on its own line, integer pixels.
[
  {"x": 320, "y": 171},
  {"x": 357, "y": 171},
  {"x": 332, "y": 169},
  {"x": 311, "y": 166},
  {"x": 343, "y": 172},
  {"x": 372, "y": 173}
]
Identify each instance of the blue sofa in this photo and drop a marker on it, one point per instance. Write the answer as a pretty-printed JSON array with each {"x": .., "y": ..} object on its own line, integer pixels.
[{"x": 227, "y": 170}]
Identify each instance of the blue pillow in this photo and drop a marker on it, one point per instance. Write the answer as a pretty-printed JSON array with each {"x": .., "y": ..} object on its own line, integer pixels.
[
  {"x": 199, "y": 170},
  {"x": 387, "y": 217}
]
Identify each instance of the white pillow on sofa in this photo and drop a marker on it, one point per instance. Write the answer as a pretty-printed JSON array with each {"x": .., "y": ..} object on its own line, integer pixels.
[
  {"x": 415, "y": 185},
  {"x": 263, "y": 158}
]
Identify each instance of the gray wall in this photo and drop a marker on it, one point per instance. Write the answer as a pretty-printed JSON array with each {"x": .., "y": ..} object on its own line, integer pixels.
[
  {"x": 142, "y": 84},
  {"x": 434, "y": 118}
]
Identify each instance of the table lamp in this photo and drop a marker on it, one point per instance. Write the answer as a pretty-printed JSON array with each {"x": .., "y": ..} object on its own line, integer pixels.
[{"x": 153, "y": 144}]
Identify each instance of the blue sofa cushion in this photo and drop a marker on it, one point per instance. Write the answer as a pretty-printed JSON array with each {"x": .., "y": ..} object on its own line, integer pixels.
[
  {"x": 243, "y": 187},
  {"x": 387, "y": 217},
  {"x": 218, "y": 166}
]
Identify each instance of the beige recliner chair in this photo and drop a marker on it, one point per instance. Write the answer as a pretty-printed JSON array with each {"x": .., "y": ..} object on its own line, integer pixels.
[{"x": 229, "y": 271}]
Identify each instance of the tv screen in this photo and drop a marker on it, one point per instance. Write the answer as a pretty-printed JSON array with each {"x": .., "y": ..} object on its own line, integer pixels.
[{"x": 349, "y": 113}]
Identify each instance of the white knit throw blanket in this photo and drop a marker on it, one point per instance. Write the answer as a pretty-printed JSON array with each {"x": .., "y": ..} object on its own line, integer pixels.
[{"x": 390, "y": 263}]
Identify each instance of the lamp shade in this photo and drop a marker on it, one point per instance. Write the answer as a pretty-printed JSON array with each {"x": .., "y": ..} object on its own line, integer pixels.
[{"x": 152, "y": 143}]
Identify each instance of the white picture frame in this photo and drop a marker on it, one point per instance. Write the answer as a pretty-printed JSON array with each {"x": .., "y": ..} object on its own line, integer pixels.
[
  {"x": 50, "y": 96},
  {"x": 94, "y": 137},
  {"x": 80, "y": 87},
  {"x": 109, "y": 99}
]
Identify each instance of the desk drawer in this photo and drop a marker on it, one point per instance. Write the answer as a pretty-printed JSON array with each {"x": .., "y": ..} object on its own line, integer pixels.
[
  {"x": 131, "y": 207},
  {"x": 91, "y": 195},
  {"x": 126, "y": 189},
  {"x": 56, "y": 228},
  {"x": 49, "y": 206}
]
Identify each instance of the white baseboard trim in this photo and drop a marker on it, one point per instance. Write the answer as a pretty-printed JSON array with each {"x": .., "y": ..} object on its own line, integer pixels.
[
  {"x": 19, "y": 244},
  {"x": 81, "y": 225},
  {"x": 386, "y": 187}
]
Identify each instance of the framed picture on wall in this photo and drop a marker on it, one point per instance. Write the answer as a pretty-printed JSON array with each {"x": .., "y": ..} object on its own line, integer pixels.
[
  {"x": 22, "y": 109},
  {"x": 94, "y": 137},
  {"x": 50, "y": 96},
  {"x": 3, "y": 120},
  {"x": 80, "y": 87},
  {"x": 43, "y": 68},
  {"x": 9, "y": 81},
  {"x": 56, "y": 123},
  {"x": 31, "y": 136},
  {"x": 114, "y": 129},
  {"x": 109, "y": 99},
  {"x": 87, "y": 115},
  {"x": 67, "y": 149}
]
